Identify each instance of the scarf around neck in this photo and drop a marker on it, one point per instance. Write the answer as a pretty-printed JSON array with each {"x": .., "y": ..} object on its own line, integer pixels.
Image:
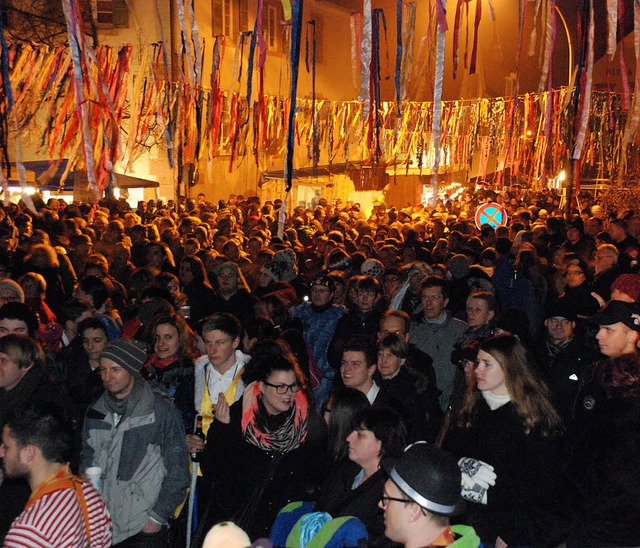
[
  {"x": 125, "y": 406},
  {"x": 283, "y": 432}
]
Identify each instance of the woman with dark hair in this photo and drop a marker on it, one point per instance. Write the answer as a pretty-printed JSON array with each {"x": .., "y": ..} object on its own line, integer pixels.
[
  {"x": 411, "y": 391},
  {"x": 195, "y": 285},
  {"x": 160, "y": 257},
  {"x": 44, "y": 260},
  {"x": 287, "y": 328},
  {"x": 94, "y": 292},
  {"x": 271, "y": 451},
  {"x": 377, "y": 438},
  {"x": 171, "y": 283},
  {"x": 170, "y": 363},
  {"x": 339, "y": 412},
  {"x": 256, "y": 329},
  {"x": 81, "y": 369},
  {"x": 507, "y": 427}
]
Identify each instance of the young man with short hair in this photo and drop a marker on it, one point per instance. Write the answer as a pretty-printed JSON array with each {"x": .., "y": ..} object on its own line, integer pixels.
[
  {"x": 218, "y": 374},
  {"x": 362, "y": 320},
  {"x": 63, "y": 509}
]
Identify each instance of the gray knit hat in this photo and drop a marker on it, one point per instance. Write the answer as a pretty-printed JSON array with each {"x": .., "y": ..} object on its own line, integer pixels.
[
  {"x": 127, "y": 353},
  {"x": 9, "y": 286}
]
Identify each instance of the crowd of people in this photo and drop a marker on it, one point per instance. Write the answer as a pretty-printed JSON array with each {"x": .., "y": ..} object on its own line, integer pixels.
[{"x": 401, "y": 377}]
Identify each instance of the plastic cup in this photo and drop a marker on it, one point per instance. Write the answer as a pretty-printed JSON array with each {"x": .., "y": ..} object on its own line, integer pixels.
[{"x": 94, "y": 474}]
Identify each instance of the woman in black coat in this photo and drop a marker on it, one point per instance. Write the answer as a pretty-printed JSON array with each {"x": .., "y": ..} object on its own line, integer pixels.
[
  {"x": 411, "y": 391},
  {"x": 355, "y": 487},
  {"x": 603, "y": 470},
  {"x": 507, "y": 425},
  {"x": 196, "y": 287},
  {"x": 272, "y": 450}
]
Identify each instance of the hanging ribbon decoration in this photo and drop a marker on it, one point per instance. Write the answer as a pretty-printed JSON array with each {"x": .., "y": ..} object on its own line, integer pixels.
[
  {"x": 365, "y": 57},
  {"x": 257, "y": 39},
  {"x": 167, "y": 127},
  {"x": 408, "y": 30},
  {"x": 476, "y": 25},
  {"x": 315, "y": 137},
  {"x": 398, "y": 56},
  {"x": 294, "y": 60},
  {"x": 534, "y": 31},
  {"x": 187, "y": 45},
  {"x": 549, "y": 97},
  {"x": 7, "y": 110},
  {"x": 549, "y": 47},
  {"x": 75, "y": 30},
  {"x": 355, "y": 24},
  {"x": 216, "y": 98},
  {"x": 584, "y": 103},
  {"x": 612, "y": 27},
  {"x": 374, "y": 115},
  {"x": 441, "y": 15},
  {"x": 456, "y": 37},
  {"x": 588, "y": 81},
  {"x": 286, "y": 8},
  {"x": 626, "y": 95},
  {"x": 633, "y": 118}
]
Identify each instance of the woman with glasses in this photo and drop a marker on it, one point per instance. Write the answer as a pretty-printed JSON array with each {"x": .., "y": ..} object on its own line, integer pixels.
[
  {"x": 507, "y": 439},
  {"x": 270, "y": 451},
  {"x": 377, "y": 438}
]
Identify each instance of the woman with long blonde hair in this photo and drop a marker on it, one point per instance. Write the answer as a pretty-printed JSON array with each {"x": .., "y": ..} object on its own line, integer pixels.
[{"x": 508, "y": 442}]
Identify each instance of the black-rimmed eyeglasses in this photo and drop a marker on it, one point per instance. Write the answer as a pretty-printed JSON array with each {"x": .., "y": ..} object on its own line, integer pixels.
[
  {"x": 384, "y": 500},
  {"x": 284, "y": 388}
]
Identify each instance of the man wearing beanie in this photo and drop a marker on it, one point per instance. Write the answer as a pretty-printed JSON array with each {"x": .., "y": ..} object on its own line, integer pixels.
[
  {"x": 319, "y": 321},
  {"x": 421, "y": 494},
  {"x": 563, "y": 352},
  {"x": 136, "y": 437}
]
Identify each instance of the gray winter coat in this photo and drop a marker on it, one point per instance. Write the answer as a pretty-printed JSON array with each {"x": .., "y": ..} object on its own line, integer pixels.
[{"x": 144, "y": 461}]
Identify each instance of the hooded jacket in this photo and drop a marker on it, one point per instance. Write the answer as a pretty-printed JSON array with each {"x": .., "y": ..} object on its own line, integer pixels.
[{"x": 144, "y": 460}]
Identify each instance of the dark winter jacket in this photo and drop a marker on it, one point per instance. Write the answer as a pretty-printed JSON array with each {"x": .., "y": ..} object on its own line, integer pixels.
[
  {"x": 603, "y": 470},
  {"x": 250, "y": 485},
  {"x": 527, "y": 468}
]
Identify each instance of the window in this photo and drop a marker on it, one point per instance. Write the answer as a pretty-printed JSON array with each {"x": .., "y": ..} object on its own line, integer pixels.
[
  {"x": 271, "y": 31},
  {"x": 112, "y": 14},
  {"x": 243, "y": 16},
  {"x": 221, "y": 11}
]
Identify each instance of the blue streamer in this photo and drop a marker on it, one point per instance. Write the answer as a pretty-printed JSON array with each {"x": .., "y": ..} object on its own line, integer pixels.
[
  {"x": 6, "y": 85},
  {"x": 378, "y": 15},
  {"x": 398, "y": 53},
  {"x": 252, "y": 53},
  {"x": 296, "y": 31}
]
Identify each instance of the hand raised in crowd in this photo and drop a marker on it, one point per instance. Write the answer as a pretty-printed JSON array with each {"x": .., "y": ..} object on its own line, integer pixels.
[{"x": 223, "y": 413}]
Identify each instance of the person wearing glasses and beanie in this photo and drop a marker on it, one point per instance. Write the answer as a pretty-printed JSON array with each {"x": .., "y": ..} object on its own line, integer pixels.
[
  {"x": 419, "y": 498},
  {"x": 270, "y": 446}
]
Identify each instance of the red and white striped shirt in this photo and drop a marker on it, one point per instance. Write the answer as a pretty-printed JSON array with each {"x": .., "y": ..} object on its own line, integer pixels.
[{"x": 56, "y": 521}]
